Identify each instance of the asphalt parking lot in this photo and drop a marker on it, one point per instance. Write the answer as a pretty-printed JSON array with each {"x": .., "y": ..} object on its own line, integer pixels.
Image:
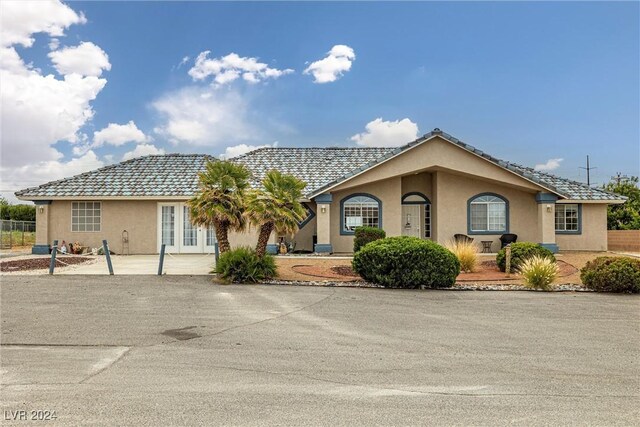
[{"x": 145, "y": 350}]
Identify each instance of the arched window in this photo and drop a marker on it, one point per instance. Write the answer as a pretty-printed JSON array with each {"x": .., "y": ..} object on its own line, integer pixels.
[
  {"x": 359, "y": 210},
  {"x": 488, "y": 213}
]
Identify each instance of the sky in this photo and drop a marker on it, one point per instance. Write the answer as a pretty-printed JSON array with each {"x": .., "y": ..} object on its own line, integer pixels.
[{"x": 544, "y": 84}]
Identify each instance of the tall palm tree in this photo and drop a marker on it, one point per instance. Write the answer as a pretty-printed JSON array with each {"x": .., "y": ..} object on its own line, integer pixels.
[
  {"x": 220, "y": 200},
  {"x": 276, "y": 207}
]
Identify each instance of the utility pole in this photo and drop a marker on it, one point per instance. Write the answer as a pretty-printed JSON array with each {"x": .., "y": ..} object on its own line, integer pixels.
[
  {"x": 588, "y": 169},
  {"x": 619, "y": 178}
]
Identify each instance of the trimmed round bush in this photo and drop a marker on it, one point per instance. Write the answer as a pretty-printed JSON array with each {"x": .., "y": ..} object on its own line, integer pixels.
[
  {"x": 364, "y": 235},
  {"x": 612, "y": 274},
  {"x": 520, "y": 252},
  {"x": 406, "y": 262},
  {"x": 242, "y": 265}
]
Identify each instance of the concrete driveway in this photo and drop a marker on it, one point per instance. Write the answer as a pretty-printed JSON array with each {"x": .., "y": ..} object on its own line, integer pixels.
[
  {"x": 145, "y": 264},
  {"x": 133, "y": 350}
]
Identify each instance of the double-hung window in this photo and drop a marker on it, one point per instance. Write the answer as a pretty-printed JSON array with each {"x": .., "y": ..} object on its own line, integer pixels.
[
  {"x": 360, "y": 211},
  {"x": 488, "y": 214},
  {"x": 86, "y": 216},
  {"x": 568, "y": 218}
]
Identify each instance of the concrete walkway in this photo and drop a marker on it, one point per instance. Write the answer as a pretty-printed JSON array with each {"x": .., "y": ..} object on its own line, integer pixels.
[{"x": 197, "y": 264}]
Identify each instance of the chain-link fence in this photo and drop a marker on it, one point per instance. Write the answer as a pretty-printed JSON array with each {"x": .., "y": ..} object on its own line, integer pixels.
[{"x": 17, "y": 233}]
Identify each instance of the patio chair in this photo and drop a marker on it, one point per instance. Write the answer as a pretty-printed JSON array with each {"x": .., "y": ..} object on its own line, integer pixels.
[
  {"x": 505, "y": 239},
  {"x": 462, "y": 238}
]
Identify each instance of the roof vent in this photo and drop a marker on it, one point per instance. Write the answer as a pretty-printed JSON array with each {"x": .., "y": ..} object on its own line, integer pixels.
[{"x": 436, "y": 130}]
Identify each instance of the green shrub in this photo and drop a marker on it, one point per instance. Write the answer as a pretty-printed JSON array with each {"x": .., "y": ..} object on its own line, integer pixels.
[
  {"x": 406, "y": 262},
  {"x": 366, "y": 235},
  {"x": 242, "y": 265},
  {"x": 539, "y": 272},
  {"x": 520, "y": 252},
  {"x": 612, "y": 274}
]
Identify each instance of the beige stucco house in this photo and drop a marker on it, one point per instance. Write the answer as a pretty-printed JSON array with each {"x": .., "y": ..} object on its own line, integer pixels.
[{"x": 432, "y": 188}]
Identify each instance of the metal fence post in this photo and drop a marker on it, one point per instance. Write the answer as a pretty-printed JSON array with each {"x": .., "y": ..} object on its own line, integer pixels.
[
  {"x": 52, "y": 265},
  {"x": 105, "y": 247},
  {"x": 161, "y": 260}
]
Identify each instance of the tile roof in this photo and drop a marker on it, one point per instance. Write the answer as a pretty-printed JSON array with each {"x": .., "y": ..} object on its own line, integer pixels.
[
  {"x": 148, "y": 176},
  {"x": 315, "y": 166},
  {"x": 321, "y": 168}
]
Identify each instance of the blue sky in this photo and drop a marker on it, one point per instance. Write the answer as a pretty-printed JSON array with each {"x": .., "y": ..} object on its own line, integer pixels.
[{"x": 527, "y": 82}]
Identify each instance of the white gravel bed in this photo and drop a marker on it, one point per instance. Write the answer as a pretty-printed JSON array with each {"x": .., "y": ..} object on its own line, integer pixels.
[{"x": 565, "y": 287}]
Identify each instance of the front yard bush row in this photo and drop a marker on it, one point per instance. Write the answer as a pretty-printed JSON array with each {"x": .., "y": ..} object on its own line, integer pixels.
[
  {"x": 520, "y": 252},
  {"x": 612, "y": 274},
  {"x": 364, "y": 235},
  {"x": 406, "y": 262}
]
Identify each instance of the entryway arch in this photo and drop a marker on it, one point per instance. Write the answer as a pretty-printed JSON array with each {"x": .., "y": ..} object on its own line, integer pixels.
[{"x": 416, "y": 215}]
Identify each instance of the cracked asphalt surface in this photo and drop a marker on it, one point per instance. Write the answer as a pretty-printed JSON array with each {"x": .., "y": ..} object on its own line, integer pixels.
[{"x": 135, "y": 350}]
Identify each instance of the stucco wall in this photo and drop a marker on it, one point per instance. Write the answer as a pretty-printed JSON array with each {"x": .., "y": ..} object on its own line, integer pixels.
[
  {"x": 388, "y": 191},
  {"x": 438, "y": 153},
  {"x": 139, "y": 218},
  {"x": 453, "y": 193},
  {"x": 304, "y": 236},
  {"x": 594, "y": 231}
]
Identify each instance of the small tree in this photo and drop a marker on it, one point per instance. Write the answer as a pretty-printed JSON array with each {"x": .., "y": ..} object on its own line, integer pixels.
[
  {"x": 220, "y": 200},
  {"x": 276, "y": 207},
  {"x": 625, "y": 216}
]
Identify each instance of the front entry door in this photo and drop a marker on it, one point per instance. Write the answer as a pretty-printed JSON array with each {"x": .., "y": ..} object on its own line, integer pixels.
[{"x": 411, "y": 220}]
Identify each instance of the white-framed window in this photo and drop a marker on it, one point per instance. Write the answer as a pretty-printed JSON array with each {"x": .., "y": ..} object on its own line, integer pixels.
[
  {"x": 567, "y": 217},
  {"x": 86, "y": 216},
  {"x": 488, "y": 214},
  {"x": 360, "y": 211}
]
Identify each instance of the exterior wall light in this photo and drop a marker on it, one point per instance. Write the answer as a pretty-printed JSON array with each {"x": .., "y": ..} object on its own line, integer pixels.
[
  {"x": 323, "y": 209},
  {"x": 41, "y": 209},
  {"x": 548, "y": 208}
]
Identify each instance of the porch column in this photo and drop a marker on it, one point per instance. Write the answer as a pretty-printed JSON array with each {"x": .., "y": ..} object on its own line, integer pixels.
[
  {"x": 323, "y": 223},
  {"x": 42, "y": 227},
  {"x": 546, "y": 220}
]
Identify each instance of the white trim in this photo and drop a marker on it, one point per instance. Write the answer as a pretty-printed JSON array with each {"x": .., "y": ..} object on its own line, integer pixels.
[
  {"x": 420, "y": 143},
  {"x": 594, "y": 202},
  {"x": 101, "y": 198}
]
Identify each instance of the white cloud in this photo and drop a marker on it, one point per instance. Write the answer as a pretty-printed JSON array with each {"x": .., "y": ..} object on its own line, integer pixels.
[
  {"x": 550, "y": 165},
  {"x": 227, "y": 69},
  {"x": 54, "y": 43},
  {"x": 115, "y": 134},
  {"x": 39, "y": 110},
  {"x": 86, "y": 59},
  {"x": 203, "y": 116},
  {"x": 330, "y": 68},
  {"x": 18, "y": 178},
  {"x": 379, "y": 133},
  {"x": 20, "y": 19},
  {"x": 240, "y": 149},
  {"x": 142, "y": 150}
]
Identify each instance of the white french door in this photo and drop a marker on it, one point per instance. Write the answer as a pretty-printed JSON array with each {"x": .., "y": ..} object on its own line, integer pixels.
[{"x": 179, "y": 235}]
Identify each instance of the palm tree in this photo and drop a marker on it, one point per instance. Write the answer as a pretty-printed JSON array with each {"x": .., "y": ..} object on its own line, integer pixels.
[
  {"x": 220, "y": 200},
  {"x": 276, "y": 207}
]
